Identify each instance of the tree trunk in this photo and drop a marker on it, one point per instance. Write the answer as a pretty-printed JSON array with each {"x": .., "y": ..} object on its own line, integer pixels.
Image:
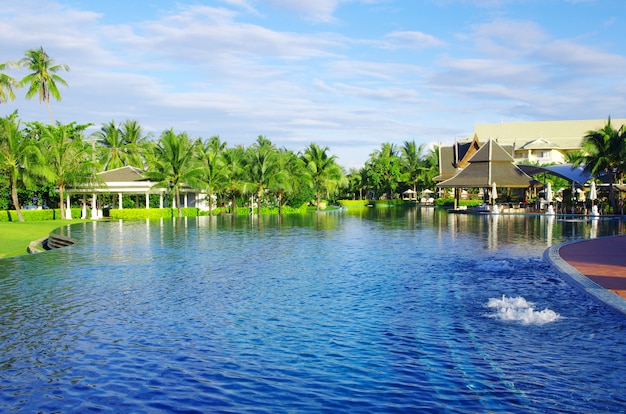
[
  {"x": 61, "y": 201},
  {"x": 210, "y": 203},
  {"x": 16, "y": 201},
  {"x": 180, "y": 212}
]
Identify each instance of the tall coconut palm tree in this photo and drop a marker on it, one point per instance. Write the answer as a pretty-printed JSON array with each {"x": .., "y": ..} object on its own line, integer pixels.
[
  {"x": 323, "y": 169},
  {"x": 7, "y": 83},
  {"x": 385, "y": 169},
  {"x": 234, "y": 171},
  {"x": 412, "y": 158},
  {"x": 175, "y": 164},
  {"x": 262, "y": 167},
  {"x": 43, "y": 79},
  {"x": 604, "y": 152},
  {"x": 135, "y": 142},
  {"x": 210, "y": 155},
  {"x": 287, "y": 176},
  {"x": 20, "y": 157},
  {"x": 68, "y": 156},
  {"x": 111, "y": 146}
]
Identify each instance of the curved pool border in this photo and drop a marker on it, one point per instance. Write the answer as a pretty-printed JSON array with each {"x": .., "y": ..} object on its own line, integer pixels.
[{"x": 577, "y": 279}]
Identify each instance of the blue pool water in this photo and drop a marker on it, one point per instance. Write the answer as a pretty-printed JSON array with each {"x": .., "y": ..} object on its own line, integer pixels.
[{"x": 397, "y": 310}]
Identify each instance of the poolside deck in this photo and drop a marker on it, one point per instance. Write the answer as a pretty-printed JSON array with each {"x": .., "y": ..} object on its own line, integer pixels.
[{"x": 602, "y": 260}]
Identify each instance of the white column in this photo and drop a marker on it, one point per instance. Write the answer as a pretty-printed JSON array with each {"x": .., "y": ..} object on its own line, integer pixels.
[
  {"x": 68, "y": 211},
  {"x": 119, "y": 201},
  {"x": 83, "y": 211},
  {"x": 161, "y": 200},
  {"x": 147, "y": 200},
  {"x": 185, "y": 200},
  {"x": 94, "y": 209},
  {"x": 174, "y": 200}
]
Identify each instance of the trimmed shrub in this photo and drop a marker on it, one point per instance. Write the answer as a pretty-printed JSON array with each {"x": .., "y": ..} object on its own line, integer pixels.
[
  {"x": 354, "y": 203},
  {"x": 37, "y": 215},
  {"x": 150, "y": 213},
  {"x": 449, "y": 202}
]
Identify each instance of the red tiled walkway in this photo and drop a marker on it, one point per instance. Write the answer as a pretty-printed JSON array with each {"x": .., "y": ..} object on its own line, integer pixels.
[{"x": 601, "y": 260}]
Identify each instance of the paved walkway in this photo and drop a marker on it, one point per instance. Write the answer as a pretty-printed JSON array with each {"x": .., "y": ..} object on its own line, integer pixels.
[{"x": 602, "y": 260}]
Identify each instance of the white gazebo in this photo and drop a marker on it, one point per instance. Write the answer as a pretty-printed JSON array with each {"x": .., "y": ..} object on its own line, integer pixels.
[{"x": 128, "y": 180}]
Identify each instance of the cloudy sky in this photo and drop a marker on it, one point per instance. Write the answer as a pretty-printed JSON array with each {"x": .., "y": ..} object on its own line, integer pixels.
[{"x": 347, "y": 74}]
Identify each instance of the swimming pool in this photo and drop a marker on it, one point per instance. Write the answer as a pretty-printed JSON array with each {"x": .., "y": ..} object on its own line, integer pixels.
[{"x": 371, "y": 310}]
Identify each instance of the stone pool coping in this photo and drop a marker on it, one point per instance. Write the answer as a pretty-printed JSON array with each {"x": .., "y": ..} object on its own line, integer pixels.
[{"x": 602, "y": 258}]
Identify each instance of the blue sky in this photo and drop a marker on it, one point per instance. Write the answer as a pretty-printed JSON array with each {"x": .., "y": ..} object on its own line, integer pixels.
[{"x": 347, "y": 74}]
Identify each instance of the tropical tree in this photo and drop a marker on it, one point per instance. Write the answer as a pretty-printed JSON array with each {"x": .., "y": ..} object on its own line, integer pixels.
[
  {"x": 385, "y": 169},
  {"x": 135, "y": 142},
  {"x": 210, "y": 155},
  {"x": 604, "y": 152},
  {"x": 262, "y": 167},
  {"x": 324, "y": 172},
  {"x": 234, "y": 161},
  {"x": 120, "y": 146},
  {"x": 43, "y": 79},
  {"x": 288, "y": 178},
  {"x": 20, "y": 157},
  {"x": 68, "y": 156},
  {"x": 7, "y": 83},
  {"x": 413, "y": 163},
  {"x": 175, "y": 164},
  {"x": 111, "y": 146}
]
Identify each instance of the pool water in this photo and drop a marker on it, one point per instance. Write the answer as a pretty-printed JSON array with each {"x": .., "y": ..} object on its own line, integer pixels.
[{"x": 395, "y": 310}]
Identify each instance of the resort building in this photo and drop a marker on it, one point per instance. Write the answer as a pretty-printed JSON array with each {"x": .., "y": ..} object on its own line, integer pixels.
[
  {"x": 130, "y": 180},
  {"x": 540, "y": 143},
  {"x": 545, "y": 142}
]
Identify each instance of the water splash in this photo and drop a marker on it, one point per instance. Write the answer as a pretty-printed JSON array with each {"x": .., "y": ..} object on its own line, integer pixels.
[{"x": 520, "y": 310}]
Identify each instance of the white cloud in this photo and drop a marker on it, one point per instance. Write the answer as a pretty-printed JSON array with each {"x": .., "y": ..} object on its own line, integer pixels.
[{"x": 410, "y": 39}]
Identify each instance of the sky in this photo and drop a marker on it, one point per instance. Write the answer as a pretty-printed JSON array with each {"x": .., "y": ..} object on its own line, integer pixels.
[{"x": 346, "y": 74}]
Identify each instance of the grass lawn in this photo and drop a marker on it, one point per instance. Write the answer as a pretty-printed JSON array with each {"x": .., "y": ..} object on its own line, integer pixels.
[{"x": 15, "y": 236}]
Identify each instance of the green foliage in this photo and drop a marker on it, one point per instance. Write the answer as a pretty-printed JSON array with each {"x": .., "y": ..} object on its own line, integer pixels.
[
  {"x": 386, "y": 203},
  {"x": 151, "y": 213},
  {"x": 354, "y": 203},
  {"x": 36, "y": 215},
  {"x": 449, "y": 202}
]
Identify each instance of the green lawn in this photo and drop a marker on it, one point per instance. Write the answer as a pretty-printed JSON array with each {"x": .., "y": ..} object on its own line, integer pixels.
[{"x": 15, "y": 236}]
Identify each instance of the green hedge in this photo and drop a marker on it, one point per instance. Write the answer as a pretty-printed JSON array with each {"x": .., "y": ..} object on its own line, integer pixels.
[
  {"x": 37, "y": 215},
  {"x": 354, "y": 203},
  {"x": 157, "y": 213},
  {"x": 449, "y": 201},
  {"x": 150, "y": 213}
]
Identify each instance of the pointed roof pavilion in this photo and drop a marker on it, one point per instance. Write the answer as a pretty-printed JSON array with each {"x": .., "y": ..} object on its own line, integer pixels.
[{"x": 490, "y": 164}]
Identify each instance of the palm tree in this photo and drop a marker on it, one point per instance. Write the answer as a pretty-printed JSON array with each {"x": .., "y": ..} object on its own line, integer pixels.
[
  {"x": 323, "y": 169},
  {"x": 175, "y": 164},
  {"x": 413, "y": 163},
  {"x": 604, "y": 152},
  {"x": 112, "y": 146},
  {"x": 6, "y": 84},
  {"x": 43, "y": 79},
  {"x": 69, "y": 158},
  {"x": 234, "y": 160},
  {"x": 122, "y": 145},
  {"x": 212, "y": 161},
  {"x": 20, "y": 157},
  {"x": 385, "y": 169},
  {"x": 287, "y": 176},
  {"x": 135, "y": 142},
  {"x": 262, "y": 167}
]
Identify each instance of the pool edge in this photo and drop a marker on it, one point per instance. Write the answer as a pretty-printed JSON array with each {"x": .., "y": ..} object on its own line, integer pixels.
[{"x": 575, "y": 278}]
